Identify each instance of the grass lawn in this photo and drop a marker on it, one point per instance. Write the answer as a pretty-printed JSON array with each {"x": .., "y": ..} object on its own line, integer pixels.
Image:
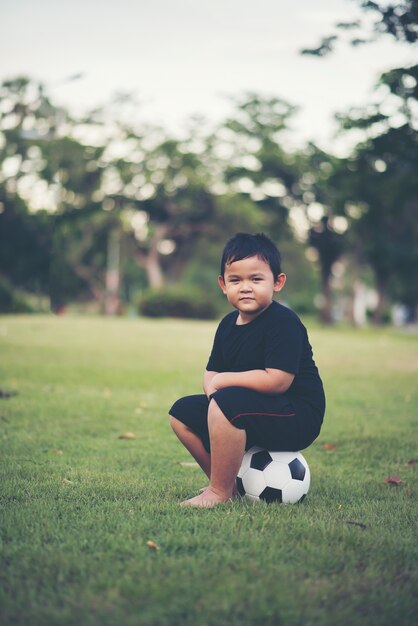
[{"x": 79, "y": 504}]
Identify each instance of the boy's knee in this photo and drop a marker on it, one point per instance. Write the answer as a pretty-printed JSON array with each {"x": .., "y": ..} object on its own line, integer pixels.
[
  {"x": 215, "y": 412},
  {"x": 174, "y": 422}
]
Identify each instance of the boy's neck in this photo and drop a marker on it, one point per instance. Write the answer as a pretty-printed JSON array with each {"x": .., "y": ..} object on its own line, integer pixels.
[{"x": 247, "y": 318}]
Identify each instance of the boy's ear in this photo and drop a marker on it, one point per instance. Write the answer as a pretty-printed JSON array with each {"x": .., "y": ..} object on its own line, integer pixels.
[
  {"x": 280, "y": 282},
  {"x": 221, "y": 283}
]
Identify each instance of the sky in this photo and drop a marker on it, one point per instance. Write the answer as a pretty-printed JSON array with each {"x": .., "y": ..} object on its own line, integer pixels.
[{"x": 188, "y": 57}]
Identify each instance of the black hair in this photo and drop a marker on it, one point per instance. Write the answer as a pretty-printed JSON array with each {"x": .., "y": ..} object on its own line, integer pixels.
[{"x": 243, "y": 245}]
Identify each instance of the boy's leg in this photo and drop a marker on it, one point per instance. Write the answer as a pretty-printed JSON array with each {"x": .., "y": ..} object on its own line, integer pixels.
[
  {"x": 227, "y": 444},
  {"x": 192, "y": 443},
  {"x": 189, "y": 420}
]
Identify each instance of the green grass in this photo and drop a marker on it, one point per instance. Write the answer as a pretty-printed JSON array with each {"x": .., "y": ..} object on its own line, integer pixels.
[{"x": 78, "y": 504}]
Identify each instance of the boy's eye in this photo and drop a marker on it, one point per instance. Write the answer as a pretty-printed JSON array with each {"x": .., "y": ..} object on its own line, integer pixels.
[{"x": 257, "y": 279}]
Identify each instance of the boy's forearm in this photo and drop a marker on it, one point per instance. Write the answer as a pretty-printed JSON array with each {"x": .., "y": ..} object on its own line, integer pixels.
[{"x": 264, "y": 381}]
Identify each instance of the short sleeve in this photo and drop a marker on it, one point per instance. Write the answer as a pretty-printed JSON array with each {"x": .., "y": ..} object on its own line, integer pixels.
[
  {"x": 284, "y": 345},
  {"x": 216, "y": 360}
]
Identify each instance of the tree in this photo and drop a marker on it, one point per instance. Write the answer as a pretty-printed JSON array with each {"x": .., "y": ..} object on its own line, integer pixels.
[
  {"x": 25, "y": 244},
  {"x": 378, "y": 183},
  {"x": 24, "y": 237},
  {"x": 149, "y": 195},
  {"x": 325, "y": 225},
  {"x": 56, "y": 177},
  {"x": 162, "y": 194},
  {"x": 329, "y": 245},
  {"x": 381, "y": 191},
  {"x": 256, "y": 165},
  {"x": 285, "y": 186},
  {"x": 169, "y": 194},
  {"x": 399, "y": 21},
  {"x": 381, "y": 180}
]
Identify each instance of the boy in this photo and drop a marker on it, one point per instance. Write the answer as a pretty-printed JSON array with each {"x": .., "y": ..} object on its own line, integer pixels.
[{"x": 261, "y": 383}]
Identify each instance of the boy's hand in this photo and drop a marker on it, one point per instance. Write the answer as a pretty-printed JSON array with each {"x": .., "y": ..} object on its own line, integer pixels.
[
  {"x": 209, "y": 385},
  {"x": 211, "y": 389}
]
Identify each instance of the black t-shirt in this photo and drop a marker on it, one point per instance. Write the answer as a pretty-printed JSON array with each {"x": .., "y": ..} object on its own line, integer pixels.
[{"x": 274, "y": 339}]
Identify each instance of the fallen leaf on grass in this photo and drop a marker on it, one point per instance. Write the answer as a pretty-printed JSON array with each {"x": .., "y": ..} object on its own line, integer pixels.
[
  {"x": 329, "y": 446},
  {"x": 127, "y": 436},
  {"x": 65, "y": 481},
  {"x": 393, "y": 480},
  {"x": 152, "y": 545},
  {"x": 412, "y": 462},
  {"x": 188, "y": 464}
]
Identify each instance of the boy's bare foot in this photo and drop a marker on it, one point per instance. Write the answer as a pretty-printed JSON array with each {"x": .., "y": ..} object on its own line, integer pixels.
[
  {"x": 235, "y": 492},
  {"x": 207, "y": 499}
]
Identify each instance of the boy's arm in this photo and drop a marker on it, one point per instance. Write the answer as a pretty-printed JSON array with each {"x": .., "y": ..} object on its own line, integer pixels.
[
  {"x": 265, "y": 381},
  {"x": 207, "y": 382}
]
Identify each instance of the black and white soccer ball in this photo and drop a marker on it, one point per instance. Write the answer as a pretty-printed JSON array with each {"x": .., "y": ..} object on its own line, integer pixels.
[{"x": 273, "y": 476}]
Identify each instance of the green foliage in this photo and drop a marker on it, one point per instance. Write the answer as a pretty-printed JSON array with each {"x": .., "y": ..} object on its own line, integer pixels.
[
  {"x": 168, "y": 199},
  {"x": 79, "y": 245},
  {"x": 25, "y": 244},
  {"x": 303, "y": 282},
  {"x": 399, "y": 20},
  {"x": 379, "y": 179},
  {"x": 177, "y": 302},
  {"x": 73, "y": 167},
  {"x": 260, "y": 169},
  {"x": 328, "y": 243},
  {"x": 78, "y": 504},
  {"x": 32, "y": 250},
  {"x": 382, "y": 179},
  {"x": 12, "y": 301}
]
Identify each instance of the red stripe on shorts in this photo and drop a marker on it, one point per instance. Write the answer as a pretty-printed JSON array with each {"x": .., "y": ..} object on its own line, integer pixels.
[{"x": 267, "y": 414}]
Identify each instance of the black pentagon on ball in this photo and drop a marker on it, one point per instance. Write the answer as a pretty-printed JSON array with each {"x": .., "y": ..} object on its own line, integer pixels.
[
  {"x": 240, "y": 486},
  {"x": 269, "y": 494},
  {"x": 260, "y": 460},
  {"x": 297, "y": 469}
]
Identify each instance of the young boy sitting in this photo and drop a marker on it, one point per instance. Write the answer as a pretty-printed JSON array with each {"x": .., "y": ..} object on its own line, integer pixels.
[{"x": 262, "y": 387}]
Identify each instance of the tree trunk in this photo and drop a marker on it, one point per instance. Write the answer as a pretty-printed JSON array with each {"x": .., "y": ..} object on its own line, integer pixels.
[
  {"x": 88, "y": 275},
  {"x": 326, "y": 308},
  {"x": 150, "y": 260},
  {"x": 153, "y": 268},
  {"x": 112, "y": 302},
  {"x": 382, "y": 301}
]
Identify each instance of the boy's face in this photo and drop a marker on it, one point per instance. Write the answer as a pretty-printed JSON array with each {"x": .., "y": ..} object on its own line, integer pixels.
[{"x": 249, "y": 285}]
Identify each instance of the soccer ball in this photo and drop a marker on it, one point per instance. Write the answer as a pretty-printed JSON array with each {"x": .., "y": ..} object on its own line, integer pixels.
[{"x": 273, "y": 476}]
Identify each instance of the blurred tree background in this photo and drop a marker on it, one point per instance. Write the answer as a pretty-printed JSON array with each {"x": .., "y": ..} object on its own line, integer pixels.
[{"x": 98, "y": 214}]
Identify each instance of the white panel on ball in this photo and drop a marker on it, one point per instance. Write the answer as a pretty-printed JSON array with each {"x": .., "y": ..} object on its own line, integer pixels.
[
  {"x": 277, "y": 475},
  {"x": 253, "y": 481}
]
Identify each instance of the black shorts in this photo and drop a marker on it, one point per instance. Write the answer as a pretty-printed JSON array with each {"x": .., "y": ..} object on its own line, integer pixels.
[{"x": 275, "y": 422}]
